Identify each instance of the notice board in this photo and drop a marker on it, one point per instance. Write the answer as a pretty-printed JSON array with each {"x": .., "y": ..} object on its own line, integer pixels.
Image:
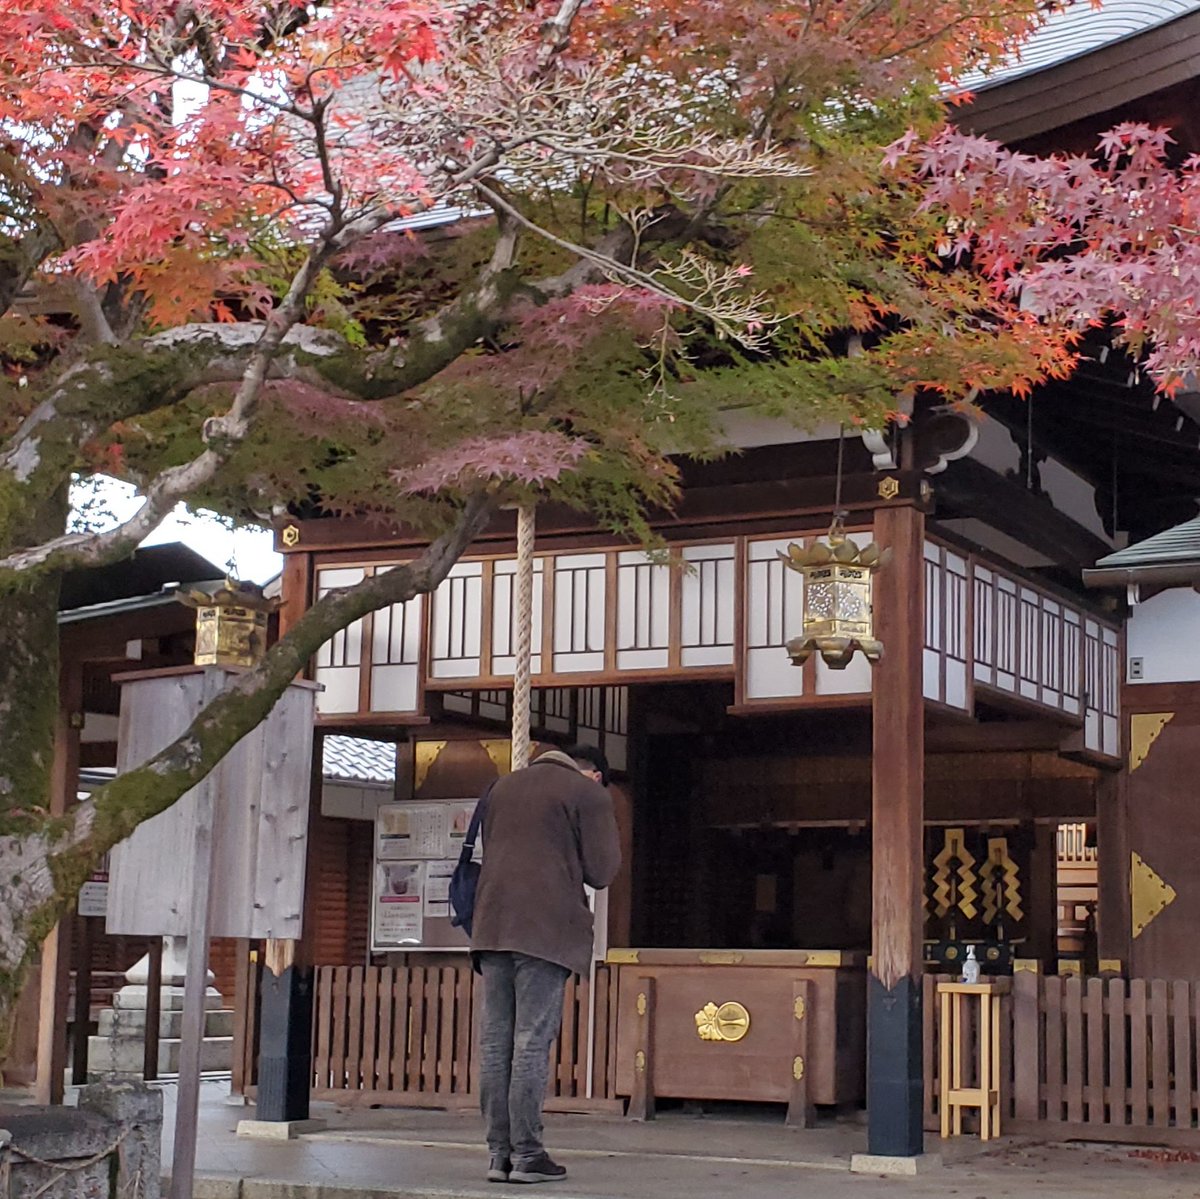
[{"x": 417, "y": 846}]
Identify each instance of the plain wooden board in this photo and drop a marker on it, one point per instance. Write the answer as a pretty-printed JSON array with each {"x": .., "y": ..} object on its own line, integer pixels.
[{"x": 261, "y": 793}]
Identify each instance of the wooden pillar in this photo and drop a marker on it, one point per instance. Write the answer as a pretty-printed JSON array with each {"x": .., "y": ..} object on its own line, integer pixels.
[
  {"x": 1112, "y": 871},
  {"x": 894, "y": 1041},
  {"x": 82, "y": 945},
  {"x": 285, "y": 1015},
  {"x": 56, "y": 949},
  {"x": 1042, "y": 942}
]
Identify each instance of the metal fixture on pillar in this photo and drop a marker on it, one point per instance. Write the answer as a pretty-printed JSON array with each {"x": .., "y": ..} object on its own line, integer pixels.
[
  {"x": 231, "y": 623},
  {"x": 838, "y": 617}
]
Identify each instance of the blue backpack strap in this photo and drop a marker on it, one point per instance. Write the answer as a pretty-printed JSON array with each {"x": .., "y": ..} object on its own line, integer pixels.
[{"x": 468, "y": 846}]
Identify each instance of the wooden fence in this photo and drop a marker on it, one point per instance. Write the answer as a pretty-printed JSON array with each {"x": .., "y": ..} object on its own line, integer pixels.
[
  {"x": 1101, "y": 1059},
  {"x": 407, "y": 1035}
]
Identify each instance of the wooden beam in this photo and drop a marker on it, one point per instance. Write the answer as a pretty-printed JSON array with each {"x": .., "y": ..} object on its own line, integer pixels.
[
  {"x": 56, "y": 949},
  {"x": 895, "y": 1090}
]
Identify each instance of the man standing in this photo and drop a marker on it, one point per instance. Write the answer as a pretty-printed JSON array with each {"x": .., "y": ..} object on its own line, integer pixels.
[{"x": 547, "y": 830}]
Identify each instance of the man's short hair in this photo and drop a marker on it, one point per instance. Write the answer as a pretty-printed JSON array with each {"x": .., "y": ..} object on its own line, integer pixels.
[{"x": 589, "y": 757}]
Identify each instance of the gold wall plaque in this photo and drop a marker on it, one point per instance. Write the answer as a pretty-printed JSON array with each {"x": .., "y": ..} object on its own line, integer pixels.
[
  {"x": 423, "y": 759},
  {"x": 501, "y": 754},
  {"x": 729, "y": 1022},
  {"x": 1144, "y": 730},
  {"x": 797, "y": 1068},
  {"x": 1148, "y": 894},
  {"x": 641, "y": 1003}
]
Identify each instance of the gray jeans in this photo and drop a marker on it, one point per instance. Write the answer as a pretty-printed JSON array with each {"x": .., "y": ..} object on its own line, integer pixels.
[{"x": 522, "y": 1013}]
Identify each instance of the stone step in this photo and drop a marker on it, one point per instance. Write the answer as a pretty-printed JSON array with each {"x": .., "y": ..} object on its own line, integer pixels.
[
  {"x": 126, "y": 1055},
  {"x": 131, "y": 1022}
]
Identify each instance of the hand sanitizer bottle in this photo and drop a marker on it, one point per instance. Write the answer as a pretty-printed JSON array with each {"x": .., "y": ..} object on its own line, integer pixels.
[{"x": 970, "y": 972}]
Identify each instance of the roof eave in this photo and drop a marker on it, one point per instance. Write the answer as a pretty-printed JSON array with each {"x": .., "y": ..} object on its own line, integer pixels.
[{"x": 1159, "y": 574}]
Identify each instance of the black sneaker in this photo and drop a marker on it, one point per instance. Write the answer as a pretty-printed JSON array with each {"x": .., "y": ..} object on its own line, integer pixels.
[
  {"x": 541, "y": 1169},
  {"x": 499, "y": 1168}
]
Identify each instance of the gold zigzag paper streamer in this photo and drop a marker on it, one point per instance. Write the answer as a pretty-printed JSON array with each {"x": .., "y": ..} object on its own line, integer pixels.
[{"x": 954, "y": 849}]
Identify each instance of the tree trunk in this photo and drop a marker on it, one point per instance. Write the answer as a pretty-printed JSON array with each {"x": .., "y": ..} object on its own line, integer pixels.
[
  {"x": 29, "y": 678},
  {"x": 43, "y": 864}
]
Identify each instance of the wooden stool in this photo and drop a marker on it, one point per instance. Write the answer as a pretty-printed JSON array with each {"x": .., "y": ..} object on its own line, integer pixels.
[{"x": 954, "y": 999}]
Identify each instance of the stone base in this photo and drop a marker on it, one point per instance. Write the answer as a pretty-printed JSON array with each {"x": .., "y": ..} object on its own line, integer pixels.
[
  {"x": 278, "y": 1130},
  {"x": 898, "y": 1167},
  {"x": 126, "y": 1055},
  {"x": 133, "y": 997},
  {"x": 131, "y": 1022}
]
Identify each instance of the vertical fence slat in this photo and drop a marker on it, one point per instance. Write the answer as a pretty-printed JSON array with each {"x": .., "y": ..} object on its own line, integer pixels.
[
  {"x": 370, "y": 1027},
  {"x": 432, "y": 1020},
  {"x": 448, "y": 981},
  {"x": 323, "y": 1018},
  {"x": 1073, "y": 1027},
  {"x": 579, "y": 1082},
  {"x": 341, "y": 983},
  {"x": 1139, "y": 1073},
  {"x": 355, "y": 1026},
  {"x": 1052, "y": 1059},
  {"x": 1160, "y": 1046},
  {"x": 1094, "y": 1008},
  {"x": 416, "y": 1035},
  {"x": 462, "y": 1023},
  {"x": 600, "y": 1085},
  {"x": 383, "y": 1050},
  {"x": 1027, "y": 1045},
  {"x": 401, "y": 1017},
  {"x": 1118, "y": 1054},
  {"x": 1181, "y": 1017}
]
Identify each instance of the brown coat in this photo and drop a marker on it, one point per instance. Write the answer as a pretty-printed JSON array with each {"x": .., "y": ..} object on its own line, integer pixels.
[{"x": 548, "y": 830}]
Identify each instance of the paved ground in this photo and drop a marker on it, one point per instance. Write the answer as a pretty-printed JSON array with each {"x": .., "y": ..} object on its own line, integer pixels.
[
  {"x": 416, "y": 1154},
  {"x": 438, "y": 1155}
]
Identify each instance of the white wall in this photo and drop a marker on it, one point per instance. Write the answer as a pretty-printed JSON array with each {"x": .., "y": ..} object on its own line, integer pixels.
[{"x": 1165, "y": 633}]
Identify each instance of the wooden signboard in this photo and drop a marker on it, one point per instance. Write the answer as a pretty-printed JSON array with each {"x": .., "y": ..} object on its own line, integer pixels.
[{"x": 259, "y": 795}]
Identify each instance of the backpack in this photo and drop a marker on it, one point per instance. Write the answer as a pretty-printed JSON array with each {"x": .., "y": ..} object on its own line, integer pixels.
[{"x": 465, "y": 879}]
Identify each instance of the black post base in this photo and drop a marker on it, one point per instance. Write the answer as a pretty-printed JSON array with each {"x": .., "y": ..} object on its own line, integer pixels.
[
  {"x": 895, "y": 1081},
  {"x": 285, "y": 1045}
]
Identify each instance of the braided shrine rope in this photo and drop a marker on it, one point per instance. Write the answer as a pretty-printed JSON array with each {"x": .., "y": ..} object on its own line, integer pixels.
[{"x": 522, "y": 668}]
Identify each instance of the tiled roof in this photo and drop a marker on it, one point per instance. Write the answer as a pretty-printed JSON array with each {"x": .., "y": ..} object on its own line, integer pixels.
[
  {"x": 1179, "y": 546},
  {"x": 1081, "y": 28},
  {"x": 359, "y": 760}
]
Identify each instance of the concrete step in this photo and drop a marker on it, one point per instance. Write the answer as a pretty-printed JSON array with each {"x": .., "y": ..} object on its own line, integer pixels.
[
  {"x": 131, "y": 1022},
  {"x": 126, "y": 1055}
]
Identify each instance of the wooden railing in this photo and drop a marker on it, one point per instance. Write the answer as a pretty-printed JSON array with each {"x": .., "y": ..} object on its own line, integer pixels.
[
  {"x": 1105, "y": 1059},
  {"x": 408, "y": 1035},
  {"x": 1072, "y": 844}
]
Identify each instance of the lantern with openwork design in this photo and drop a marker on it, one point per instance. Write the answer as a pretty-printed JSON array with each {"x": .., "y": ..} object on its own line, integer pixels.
[
  {"x": 838, "y": 620},
  {"x": 231, "y": 623}
]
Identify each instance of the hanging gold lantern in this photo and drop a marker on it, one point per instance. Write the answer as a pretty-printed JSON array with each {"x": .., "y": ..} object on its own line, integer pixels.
[
  {"x": 838, "y": 619},
  {"x": 231, "y": 623}
]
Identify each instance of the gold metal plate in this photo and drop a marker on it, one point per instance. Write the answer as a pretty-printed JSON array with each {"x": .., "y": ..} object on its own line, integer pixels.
[
  {"x": 639, "y": 1062},
  {"x": 641, "y": 1003},
  {"x": 889, "y": 488},
  {"x": 622, "y": 957},
  {"x": 729, "y": 1022},
  {"x": 797, "y": 1068},
  {"x": 290, "y": 536},
  {"x": 1148, "y": 893},
  {"x": 710, "y": 958},
  {"x": 1144, "y": 730},
  {"x": 799, "y": 1008}
]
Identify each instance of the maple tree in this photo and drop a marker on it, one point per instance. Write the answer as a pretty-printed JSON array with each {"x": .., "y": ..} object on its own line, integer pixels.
[{"x": 415, "y": 260}]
